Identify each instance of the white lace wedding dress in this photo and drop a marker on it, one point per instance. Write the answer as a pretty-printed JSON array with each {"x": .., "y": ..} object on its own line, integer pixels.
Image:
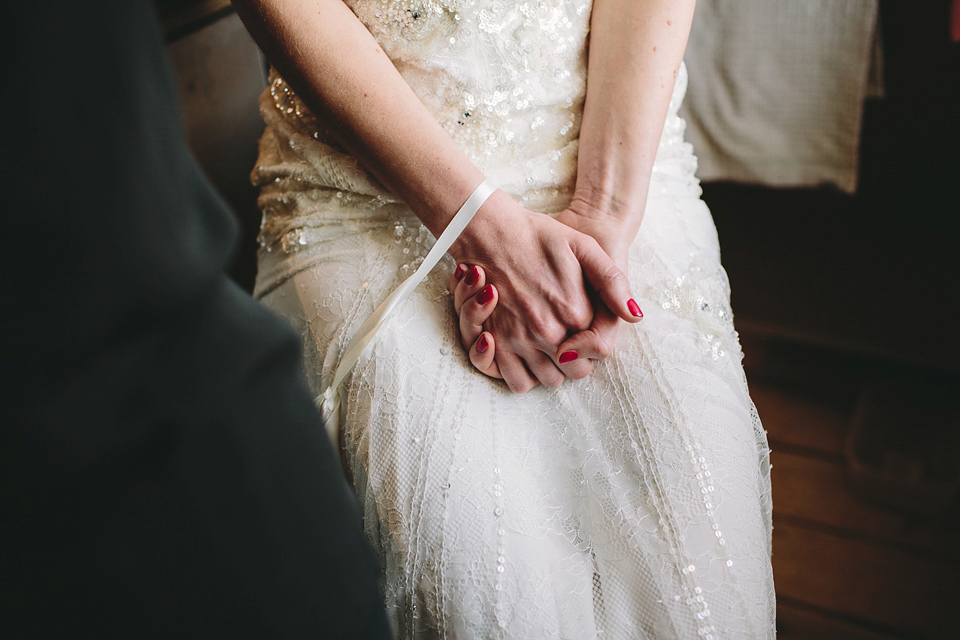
[{"x": 632, "y": 504}]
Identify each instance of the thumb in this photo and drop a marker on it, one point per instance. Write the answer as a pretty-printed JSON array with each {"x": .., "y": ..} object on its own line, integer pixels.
[
  {"x": 609, "y": 282},
  {"x": 576, "y": 354}
]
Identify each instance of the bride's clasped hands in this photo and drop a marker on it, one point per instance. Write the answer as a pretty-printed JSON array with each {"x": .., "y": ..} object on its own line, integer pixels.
[{"x": 537, "y": 299}]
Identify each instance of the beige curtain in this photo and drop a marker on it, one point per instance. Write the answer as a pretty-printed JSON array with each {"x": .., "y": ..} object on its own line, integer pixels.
[{"x": 777, "y": 88}]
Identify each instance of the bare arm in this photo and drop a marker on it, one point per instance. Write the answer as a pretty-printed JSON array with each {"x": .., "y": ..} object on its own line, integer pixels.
[
  {"x": 336, "y": 66},
  {"x": 340, "y": 71},
  {"x": 634, "y": 54}
]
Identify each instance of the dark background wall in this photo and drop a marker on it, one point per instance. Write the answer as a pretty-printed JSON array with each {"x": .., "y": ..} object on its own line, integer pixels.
[{"x": 874, "y": 273}]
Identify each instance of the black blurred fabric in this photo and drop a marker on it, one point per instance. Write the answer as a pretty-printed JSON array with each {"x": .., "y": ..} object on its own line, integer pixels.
[{"x": 164, "y": 470}]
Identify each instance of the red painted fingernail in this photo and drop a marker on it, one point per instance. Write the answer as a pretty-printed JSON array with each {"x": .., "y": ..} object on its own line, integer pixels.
[
  {"x": 634, "y": 308},
  {"x": 482, "y": 343},
  {"x": 460, "y": 272},
  {"x": 568, "y": 356},
  {"x": 485, "y": 295},
  {"x": 472, "y": 276}
]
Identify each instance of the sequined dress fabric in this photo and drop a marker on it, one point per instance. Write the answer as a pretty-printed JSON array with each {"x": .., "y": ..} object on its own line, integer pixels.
[{"x": 634, "y": 503}]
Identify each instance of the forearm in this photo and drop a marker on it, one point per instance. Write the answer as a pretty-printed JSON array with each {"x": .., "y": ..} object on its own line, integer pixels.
[
  {"x": 339, "y": 70},
  {"x": 539, "y": 265},
  {"x": 635, "y": 51}
]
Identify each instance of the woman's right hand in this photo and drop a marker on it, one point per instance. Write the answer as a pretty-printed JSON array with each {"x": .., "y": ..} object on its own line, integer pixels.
[{"x": 544, "y": 273}]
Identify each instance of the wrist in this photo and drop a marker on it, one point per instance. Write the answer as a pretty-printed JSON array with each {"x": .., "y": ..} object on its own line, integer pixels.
[
  {"x": 603, "y": 206},
  {"x": 612, "y": 222},
  {"x": 486, "y": 226},
  {"x": 614, "y": 233}
]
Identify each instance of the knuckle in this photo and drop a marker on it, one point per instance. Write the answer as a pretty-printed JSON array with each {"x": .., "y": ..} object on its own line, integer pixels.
[
  {"x": 541, "y": 328},
  {"x": 555, "y": 338},
  {"x": 587, "y": 242},
  {"x": 465, "y": 333},
  {"x": 578, "y": 316},
  {"x": 469, "y": 313},
  {"x": 546, "y": 331},
  {"x": 520, "y": 386},
  {"x": 602, "y": 348},
  {"x": 582, "y": 371},
  {"x": 553, "y": 380},
  {"x": 613, "y": 275}
]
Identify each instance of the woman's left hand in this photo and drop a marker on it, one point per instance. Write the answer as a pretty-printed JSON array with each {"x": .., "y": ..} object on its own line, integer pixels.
[
  {"x": 475, "y": 299},
  {"x": 597, "y": 341}
]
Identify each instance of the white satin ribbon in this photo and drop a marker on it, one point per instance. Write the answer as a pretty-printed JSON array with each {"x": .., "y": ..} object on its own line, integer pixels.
[{"x": 329, "y": 400}]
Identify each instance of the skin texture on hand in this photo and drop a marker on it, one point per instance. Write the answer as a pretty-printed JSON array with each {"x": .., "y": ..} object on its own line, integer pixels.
[
  {"x": 545, "y": 273},
  {"x": 573, "y": 357},
  {"x": 474, "y": 301},
  {"x": 635, "y": 52}
]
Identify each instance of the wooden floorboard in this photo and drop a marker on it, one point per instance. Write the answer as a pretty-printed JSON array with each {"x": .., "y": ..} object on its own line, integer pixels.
[
  {"x": 865, "y": 581},
  {"x": 846, "y": 568},
  {"x": 815, "y": 490},
  {"x": 799, "y": 421},
  {"x": 800, "y": 622}
]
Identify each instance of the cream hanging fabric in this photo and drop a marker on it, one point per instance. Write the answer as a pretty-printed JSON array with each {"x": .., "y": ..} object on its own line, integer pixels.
[{"x": 777, "y": 88}]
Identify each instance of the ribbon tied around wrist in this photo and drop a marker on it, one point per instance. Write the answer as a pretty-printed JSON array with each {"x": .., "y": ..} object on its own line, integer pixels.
[{"x": 329, "y": 400}]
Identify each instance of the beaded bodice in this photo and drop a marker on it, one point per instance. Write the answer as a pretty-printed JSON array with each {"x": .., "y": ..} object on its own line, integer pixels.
[{"x": 505, "y": 79}]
